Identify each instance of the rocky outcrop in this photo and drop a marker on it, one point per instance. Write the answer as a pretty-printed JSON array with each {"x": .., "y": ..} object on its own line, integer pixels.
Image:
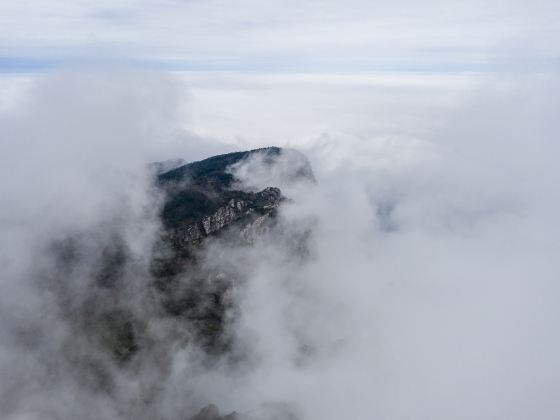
[
  {"x": 255, "y": 206},
  {"x": 203, "y": 198}
]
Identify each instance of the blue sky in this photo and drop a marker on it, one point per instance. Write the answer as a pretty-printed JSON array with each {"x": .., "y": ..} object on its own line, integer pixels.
[{"x": 280, "y": 36}]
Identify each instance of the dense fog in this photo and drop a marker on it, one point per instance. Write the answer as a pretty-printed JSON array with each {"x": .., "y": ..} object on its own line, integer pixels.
[{"x": 426, "y": 286}]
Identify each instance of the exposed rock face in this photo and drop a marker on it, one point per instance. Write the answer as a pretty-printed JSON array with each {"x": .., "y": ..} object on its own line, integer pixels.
[
  {"x": 202, "y": 199},
  {"x": 242, "y": 205}
]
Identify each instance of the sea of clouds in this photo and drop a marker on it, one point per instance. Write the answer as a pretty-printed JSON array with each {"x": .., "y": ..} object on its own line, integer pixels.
[{"x": 427, "y": 289}]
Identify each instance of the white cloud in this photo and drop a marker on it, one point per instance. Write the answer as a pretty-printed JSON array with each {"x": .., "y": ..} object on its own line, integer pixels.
[
  {"x": 451, "y": 314},
  {"x": 256, "y": 109}
]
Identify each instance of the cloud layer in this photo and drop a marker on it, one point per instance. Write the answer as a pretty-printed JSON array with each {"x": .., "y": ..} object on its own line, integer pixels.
[{"x": 427, "y": 289}]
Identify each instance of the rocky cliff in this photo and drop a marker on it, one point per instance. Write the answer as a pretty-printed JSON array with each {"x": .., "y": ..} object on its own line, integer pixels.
[
  {"x": 203, "y": 201},
  {"x": 202, "y": 198}
]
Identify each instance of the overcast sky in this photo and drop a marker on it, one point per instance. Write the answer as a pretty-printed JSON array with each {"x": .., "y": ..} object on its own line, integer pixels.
[{"x": 282, "y": 35}]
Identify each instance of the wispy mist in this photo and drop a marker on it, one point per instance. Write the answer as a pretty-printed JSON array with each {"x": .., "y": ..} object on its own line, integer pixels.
[{"x": 414, "y": 279}]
